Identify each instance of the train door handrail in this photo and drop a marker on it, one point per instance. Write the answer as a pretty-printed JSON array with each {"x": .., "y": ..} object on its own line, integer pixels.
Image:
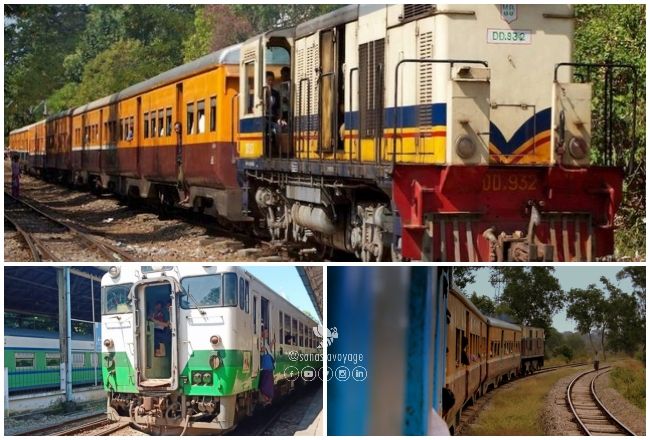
[
  {"x": 451, "y": 62},
  {"x": 352, "y": 70},
  {"x": 300, "y": 115}
]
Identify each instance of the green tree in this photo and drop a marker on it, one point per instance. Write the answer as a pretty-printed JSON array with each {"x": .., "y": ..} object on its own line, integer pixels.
[
  {"x": 636, "y": 275},
  {"x": 565, "y": 351},
  {"x": 37, "y": 37},
  {"x": 484, "y": 303},
  {"x": 618, "y": 33},
  {"x": 531, "y": 295},
  {"x": 129, "y": 62},
  {"x": 463, "y": 276},
  {"x": 626, "y": 326},
  {"x": 588, "y": 308}
]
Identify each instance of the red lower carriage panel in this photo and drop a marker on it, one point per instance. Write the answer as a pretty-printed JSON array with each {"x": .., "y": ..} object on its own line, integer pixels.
[{"x": 472, "y": 213}]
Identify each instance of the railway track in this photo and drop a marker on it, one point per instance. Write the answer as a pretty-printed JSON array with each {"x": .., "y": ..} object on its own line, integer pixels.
[
  {"x": 470, "y": 413},
  {"x": 590, "y": 413},
  {"x": 56, "y": 429},
  {"x": 52, "y": 239}
]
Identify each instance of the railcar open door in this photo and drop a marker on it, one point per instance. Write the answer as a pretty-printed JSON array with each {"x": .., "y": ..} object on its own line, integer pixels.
[
  {"x": 250, "y": 99},
  {"x": 156, "y": 350}
]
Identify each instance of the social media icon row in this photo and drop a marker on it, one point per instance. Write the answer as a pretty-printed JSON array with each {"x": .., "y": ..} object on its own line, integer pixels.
[
  {"x": 308, "y": 373},
  {"x": 343, "y": 373}
]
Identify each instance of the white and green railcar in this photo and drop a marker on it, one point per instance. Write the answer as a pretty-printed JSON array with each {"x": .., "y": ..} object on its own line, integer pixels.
[{"x": 206, "y": 377}]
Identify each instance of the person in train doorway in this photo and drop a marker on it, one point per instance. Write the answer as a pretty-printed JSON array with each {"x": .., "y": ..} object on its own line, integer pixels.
[
  {"x": 272, "y": 113},
  {"x": 596, "y": 360},
  {"x": 161, "y": 327},
  {"x": 285, "y": 93},
  {"x": 267, "y": 365},
  {"x": 15, "y": 176}
]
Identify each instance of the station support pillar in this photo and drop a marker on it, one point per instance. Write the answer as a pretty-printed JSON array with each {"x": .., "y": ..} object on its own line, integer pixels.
[{"x": 65, "y": 331}]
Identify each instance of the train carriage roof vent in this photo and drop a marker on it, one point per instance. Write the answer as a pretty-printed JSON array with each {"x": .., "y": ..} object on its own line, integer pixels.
[{"x": 414, "y": 11}]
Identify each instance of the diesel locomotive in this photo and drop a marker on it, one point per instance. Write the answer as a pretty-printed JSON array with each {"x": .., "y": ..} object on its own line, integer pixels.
[{"x": 391, "y": 132}]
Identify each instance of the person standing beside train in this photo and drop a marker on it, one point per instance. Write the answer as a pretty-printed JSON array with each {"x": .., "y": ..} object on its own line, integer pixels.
[
  {"x": 596, "y": 361},
  {"x": 15, "y": 176},
  {"x": 267, "y": 365}
]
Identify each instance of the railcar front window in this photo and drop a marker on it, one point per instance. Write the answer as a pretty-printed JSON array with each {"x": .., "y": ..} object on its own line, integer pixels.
[
  {"x": 115, "y": 299},
  {"x": 201, "y": 291},
  {"x": 230, "y": 289}
]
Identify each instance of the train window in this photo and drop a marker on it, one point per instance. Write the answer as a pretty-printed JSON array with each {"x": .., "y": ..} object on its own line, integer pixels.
[
  {"x": 300, "y": 334},
  {"x": 78, "y": 360},
  {"x": 161, "y": 123},
  {"x": 190, "y": 118},
  {"x": 254, "y": 314},
  {"x": 115, "y": 299},
  {"x": 24, "y": 360},
  {"x": 131, "y": 131},
  {"x": 146, "y": 125},
  {"x": 213, "y": 113},
  {"x": 200, "y": 117},
  {"x": 242, "y": 294},
  {"x": 294, "y": 332},
  {"x": 106, "y": 130},
  {"x": 230, "y": 289},
  {"x": 204, "y": 291},
  {"x": 168, "y": 122},
  {"x": 247, "y": 298},
  {"x": 287, "y": 329},
  {"x": 152, "y": 124},
  {"x": 250, "y": 87}
]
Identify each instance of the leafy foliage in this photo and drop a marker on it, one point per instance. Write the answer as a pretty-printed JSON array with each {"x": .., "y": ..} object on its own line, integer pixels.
[
  {"x": 532, "y": 295},
  {"x": 617, "y": 33},
  {"x": 484, "y": 303}
]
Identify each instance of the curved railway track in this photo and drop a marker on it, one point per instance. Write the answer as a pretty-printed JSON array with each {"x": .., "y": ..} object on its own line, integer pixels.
[
  {"x": 590, "y": 413},
  {"x": 51, "y": 239},
  {"x": 469, "y": 413}
]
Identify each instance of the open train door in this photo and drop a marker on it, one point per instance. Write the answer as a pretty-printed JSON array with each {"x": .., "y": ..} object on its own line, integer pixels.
[
  {"x": 251, "y": 108},
  {"x": 259, "y": 134},
  {"x": 156, "y": 349}
]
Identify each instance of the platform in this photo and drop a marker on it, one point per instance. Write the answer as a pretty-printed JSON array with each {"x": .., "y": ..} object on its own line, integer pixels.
[{"x": 313, "y": 418}]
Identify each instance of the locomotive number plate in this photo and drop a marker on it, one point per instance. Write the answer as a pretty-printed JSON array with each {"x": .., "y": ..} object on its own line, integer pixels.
[
  {"x": 513, "y": 182},
  {"x": 509, "y": 36}
]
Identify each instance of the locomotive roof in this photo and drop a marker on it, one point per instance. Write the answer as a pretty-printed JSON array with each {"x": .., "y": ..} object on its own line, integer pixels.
[
  {"x": 503, "y": 324},
  {"x": 227, "y": 55},
  {"x": 337, "y": 17}
]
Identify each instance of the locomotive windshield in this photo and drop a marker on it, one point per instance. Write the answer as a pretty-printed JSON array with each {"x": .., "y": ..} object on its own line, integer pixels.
[
  {"x": 115, "y": 299},
  {"x": 209, "y": 291}
]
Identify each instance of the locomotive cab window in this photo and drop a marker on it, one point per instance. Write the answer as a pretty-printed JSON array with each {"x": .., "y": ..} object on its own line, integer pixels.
[
  {"x": 202, "y": 291},
  {"x": 230, "y": 289},
  {"x": 115, "y": 299}
]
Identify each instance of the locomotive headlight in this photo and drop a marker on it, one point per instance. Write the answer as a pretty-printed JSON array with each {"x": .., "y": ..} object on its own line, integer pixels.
[
  {"x": 215, "y": 362},
  {"x": 114, "y": 271},
  {"x": 214, "y": 339},
  {"x": 196, "y": 378},
  {"x": 578, "y": 148},
  {"x": 207, "y": 378},
  {"x": 108, "y": 343},
  {"x": 465, "y": 147}
]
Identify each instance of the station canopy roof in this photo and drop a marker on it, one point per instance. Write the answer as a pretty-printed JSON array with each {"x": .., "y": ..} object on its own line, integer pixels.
[
  {"x": 312, "y": 278},
  {"x": 33, "y": 290}
]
